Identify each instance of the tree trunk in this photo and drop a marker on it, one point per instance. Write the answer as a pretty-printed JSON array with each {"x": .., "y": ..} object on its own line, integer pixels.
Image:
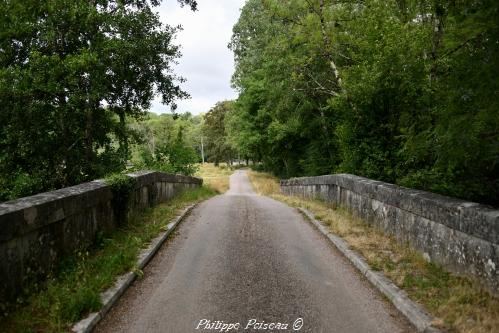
[{"x": 123, "y": 140}]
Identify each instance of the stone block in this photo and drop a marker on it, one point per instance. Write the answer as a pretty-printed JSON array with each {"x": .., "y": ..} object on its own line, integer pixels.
[
  {"x": 36, "y": 231},
  {"x": 462, "y": 236}
]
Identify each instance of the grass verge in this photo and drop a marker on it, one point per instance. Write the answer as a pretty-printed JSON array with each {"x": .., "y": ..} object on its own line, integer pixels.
[
  {"x": 74, "y": 289},
  {"x": 216, "y": 177},
  {"x": 457, "y": 303}
]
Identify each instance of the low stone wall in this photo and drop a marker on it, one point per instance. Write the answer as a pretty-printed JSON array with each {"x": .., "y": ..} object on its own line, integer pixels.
[
  {"x": 36, "y": 231},
  {"x": 462, "y": 236}
]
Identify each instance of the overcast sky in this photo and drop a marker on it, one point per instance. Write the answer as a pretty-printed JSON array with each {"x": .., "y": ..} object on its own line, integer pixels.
[{"x": 206, "y": 62}]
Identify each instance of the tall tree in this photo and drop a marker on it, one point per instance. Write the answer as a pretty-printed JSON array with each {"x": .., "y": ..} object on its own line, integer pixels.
[
  {"x": 217, "y": 146},
  {"x": 401, "y": 91},
  {"x": 71, "y": 73}
]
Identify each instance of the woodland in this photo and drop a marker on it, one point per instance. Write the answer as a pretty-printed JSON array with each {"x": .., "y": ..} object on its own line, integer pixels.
[{"x": 403, "y": 91}]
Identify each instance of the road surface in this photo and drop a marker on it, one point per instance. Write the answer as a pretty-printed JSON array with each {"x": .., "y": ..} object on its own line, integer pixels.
[{"x": 247, "y": 260}]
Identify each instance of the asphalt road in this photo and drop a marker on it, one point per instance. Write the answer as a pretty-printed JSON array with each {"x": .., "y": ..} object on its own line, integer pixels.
[{"x": 242, "y": 258}]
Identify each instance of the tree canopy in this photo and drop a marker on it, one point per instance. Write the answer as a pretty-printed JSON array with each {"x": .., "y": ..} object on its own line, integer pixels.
[
  {"x": 167, "y": 142},
  {"x": 404, "y": 91},
  {"x": 218, "y": 148},
  {"x": 71, "y": 74}
]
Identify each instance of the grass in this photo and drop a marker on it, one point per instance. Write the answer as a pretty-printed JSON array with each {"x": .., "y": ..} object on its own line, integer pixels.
[
  {"x": 215, "y": 177},
  {"x": 457, "y": 303},
  {"x": 74, "y": 290}
]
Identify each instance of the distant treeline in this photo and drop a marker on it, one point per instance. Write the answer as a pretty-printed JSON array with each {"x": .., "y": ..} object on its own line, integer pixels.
[{"x": 404, "y": 91}]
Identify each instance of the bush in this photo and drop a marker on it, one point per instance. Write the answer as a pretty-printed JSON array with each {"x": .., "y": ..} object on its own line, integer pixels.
[
  {"x": 20, "y": 185},
  {"x": 122, "y": 187},
  {"x": 176, "y": 158}
]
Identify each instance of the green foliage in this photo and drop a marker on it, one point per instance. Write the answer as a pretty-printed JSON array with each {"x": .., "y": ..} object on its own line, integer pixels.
[
  {"x": 19, "y": 184},
  {"x": 178, "y": 158},
  {"x": 72, "y": 74},
  {"x": 122, "y": 187},
  {"x": 169, "y": 143},
  {"x": 400, "y": 91},
  {"x": 121, "y": 183},
  {"x": 218, "y": 148},
  {"x": 74, "y": 290}
]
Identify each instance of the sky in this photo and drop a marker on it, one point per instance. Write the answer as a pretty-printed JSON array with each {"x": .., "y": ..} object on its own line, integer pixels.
[{"x": 206, "y": 62}]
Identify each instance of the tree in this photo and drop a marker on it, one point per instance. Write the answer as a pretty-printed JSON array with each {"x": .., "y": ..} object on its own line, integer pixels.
[
  {"x": 217, "y": 147},
  {"x": 284, "y": 82},
  {"x": 167, "y": 143},
  {"x": 71, "y": 74},
  {"x": 400, "y": 91}
]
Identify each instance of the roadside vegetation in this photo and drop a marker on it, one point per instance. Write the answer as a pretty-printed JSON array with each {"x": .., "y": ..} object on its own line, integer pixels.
[
  {"x": 458, "y": 304},
  {"x": 215, "y": 177},
  {"x": 167, "y": 142},
  {"x": 399, "y": 91},
  {"x": 74, "y": 289}
]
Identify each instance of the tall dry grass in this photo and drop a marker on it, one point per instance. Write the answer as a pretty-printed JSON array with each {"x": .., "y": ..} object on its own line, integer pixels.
[
  {"x": 215, "y": 177},
  {"x": 458, "y": 304},
  {"x": 264, "y": 183}
]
